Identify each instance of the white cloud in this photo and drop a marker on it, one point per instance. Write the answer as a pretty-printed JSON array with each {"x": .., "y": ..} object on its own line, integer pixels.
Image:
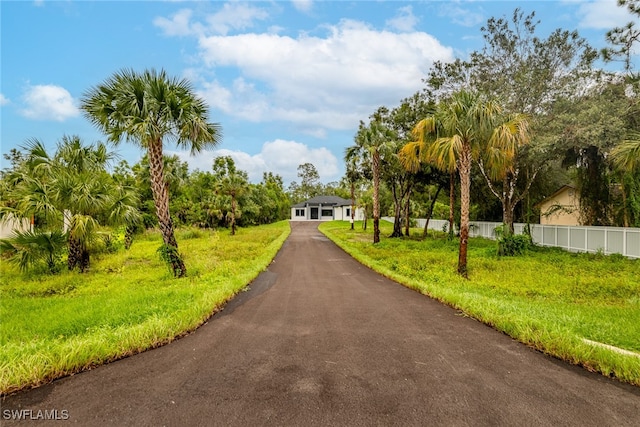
[
  {"x": 303, "y": 5},
  {"x": 404, "y": 21},
  {"x": 279, "y": 156},
  {"x": 235, "y": 16},
  {"x": 178, "y": 25},
  {"x": 4, "y": 100},
  {"x": 464, "y": 16},
  {"x": 49, "y": 102},
  {"x": 329, "y": 82},
  {"x": 232, "y": 16},
  {"x": 603, "y": 14}
]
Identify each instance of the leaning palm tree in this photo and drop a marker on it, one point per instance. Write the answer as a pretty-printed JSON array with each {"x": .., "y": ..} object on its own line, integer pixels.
[
  {"x": 148, "y": 109},
  {"x": 462, "y": 129}
]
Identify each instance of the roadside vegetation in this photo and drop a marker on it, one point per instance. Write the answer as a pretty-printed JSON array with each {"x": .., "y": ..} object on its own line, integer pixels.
[
  {"x": 127, "y": 302},
  {"x": 548, "y": 299}
]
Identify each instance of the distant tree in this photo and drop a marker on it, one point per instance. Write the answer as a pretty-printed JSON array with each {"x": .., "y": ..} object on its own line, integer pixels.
[
  {"x": 148, "y": 108},
  {"x": 231, "y": 182}
]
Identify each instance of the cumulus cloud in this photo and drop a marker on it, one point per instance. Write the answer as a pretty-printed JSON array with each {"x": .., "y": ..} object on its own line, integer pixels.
[
  {"x": 303, "y": 5},
  {"x": 405, "y": 20},
  {"x": 279, "y": 156},
  {"x": 232, "y": 16},
  {"x": 178, "y": 25},
  {"x": 602, "y": 14},
  {"x": 4, "y": 100},
  {"x": 49, "y": 102},
  {"x": 332, "y": 80}
]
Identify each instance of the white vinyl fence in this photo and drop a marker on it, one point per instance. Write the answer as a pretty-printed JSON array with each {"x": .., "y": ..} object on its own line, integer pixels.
[{"x": 609, "y": 240}]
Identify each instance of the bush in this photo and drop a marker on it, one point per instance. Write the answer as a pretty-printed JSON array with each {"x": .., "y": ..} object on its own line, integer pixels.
[{"x": 512, "y": 244}]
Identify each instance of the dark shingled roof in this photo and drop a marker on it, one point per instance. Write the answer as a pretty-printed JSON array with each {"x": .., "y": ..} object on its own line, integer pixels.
[{"x": 324, "y": 201}]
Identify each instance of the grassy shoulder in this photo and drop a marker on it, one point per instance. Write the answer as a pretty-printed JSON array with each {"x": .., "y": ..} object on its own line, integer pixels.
[
  {"x": 128, "y": 302},
  {"x": 561, "y": 303}
]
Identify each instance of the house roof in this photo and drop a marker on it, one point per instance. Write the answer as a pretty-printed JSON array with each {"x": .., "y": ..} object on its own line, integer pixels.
[{"x": 324, "y": 201}]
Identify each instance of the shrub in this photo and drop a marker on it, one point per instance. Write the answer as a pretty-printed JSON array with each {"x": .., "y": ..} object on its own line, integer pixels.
[{"x": 512, "y": 244}]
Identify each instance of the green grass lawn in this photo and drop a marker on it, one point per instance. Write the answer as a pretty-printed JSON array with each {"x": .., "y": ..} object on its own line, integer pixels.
[
  {"x": 549, "y": 299},
  {"x": 128, "y": 302}
]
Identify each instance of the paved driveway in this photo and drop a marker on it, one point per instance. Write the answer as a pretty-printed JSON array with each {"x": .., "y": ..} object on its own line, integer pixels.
[{"x": 321, "y": 340}]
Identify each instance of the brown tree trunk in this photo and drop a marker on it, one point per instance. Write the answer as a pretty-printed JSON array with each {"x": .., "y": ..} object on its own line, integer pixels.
[
  {"x": 353, "y": 204},
  {"x": 397, "y": 213},
  {"x": 465, "y": 188},
  {"x": 233, "y": 215},
  {"x": 406, "y": 214},
  {"x": 75, "y": 253},
  {"x": 128, "y": 237},
  {"x": 430, "y": 212},
  {"x": 161, "y": 201},
  {"x": 376, "y": 199},
  {"x": 452, "y": 202}
]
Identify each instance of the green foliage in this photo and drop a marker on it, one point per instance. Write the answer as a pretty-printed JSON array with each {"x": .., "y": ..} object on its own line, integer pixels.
[
  {"x": 170, "y": 256},
  {"x": 510, "y": 244},
  {"x": 32, "y": 249}
]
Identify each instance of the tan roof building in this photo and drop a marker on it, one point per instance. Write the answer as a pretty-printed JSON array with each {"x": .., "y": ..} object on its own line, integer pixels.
[{"x": 561, "y": 208}]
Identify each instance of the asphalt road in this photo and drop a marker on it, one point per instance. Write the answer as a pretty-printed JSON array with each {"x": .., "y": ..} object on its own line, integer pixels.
[{"x": 321, "y": 340}]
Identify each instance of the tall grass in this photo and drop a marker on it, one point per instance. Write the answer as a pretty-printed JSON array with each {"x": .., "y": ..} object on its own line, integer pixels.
[
  {"x": 128, "y": 302},
  {"x": 547, "y": 298}
]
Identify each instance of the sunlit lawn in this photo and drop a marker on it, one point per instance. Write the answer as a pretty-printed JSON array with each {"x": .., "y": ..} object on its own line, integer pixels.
[{"x": 126, "y": 303}]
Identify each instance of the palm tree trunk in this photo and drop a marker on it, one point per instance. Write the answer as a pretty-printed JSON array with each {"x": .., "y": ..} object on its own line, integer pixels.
[
  {"x": 161, "y": 201},
  {"x": 452, "y": 202},
  {"x": 465, "y": 188},
  {"x": 128, "y": 236},
  {"x": 376, "y": 200},
  {"x": 233, "y": 215},
  {"x": 75, "y": 253},
  {"x": 353, "y": 203}
]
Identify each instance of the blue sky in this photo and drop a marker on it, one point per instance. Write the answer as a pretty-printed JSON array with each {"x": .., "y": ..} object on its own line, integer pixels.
[{"x": 287, "y": 80}]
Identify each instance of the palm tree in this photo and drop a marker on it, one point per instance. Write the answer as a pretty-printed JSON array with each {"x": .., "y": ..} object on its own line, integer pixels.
[
  {"x": 147, "y": 109},
  {"x": 230, "y": 182},
  {"x": 626, "y": 155},
  {"x": 462, "y": 129},
  {"x": 370, "y": 142},
  {"x": 70, "y": 191}
]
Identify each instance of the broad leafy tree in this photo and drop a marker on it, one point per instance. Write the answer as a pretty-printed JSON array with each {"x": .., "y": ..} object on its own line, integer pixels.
[
  {"x": 527, "y": 73},
  {"x": 150, "y": 109}
]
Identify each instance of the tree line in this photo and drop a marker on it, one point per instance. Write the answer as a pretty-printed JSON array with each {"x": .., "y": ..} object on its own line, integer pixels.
[{"x": 508, "y": 126}]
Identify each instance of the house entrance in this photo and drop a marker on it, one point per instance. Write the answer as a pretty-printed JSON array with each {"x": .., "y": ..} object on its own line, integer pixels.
[{"x": 314, "y": 213}]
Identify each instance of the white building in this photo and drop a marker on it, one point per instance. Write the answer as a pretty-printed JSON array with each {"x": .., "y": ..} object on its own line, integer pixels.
[{"x": 325, "y": 208}]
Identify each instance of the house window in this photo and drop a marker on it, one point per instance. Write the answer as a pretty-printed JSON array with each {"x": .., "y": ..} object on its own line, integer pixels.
[
  {"x": 327, "y": 212},
  {"x": 299, "y": 212},
  {"x": 348, "y": 211}
]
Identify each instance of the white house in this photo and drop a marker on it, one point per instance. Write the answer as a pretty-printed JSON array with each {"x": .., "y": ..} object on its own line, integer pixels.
[{"x": 324, "y": 208}]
